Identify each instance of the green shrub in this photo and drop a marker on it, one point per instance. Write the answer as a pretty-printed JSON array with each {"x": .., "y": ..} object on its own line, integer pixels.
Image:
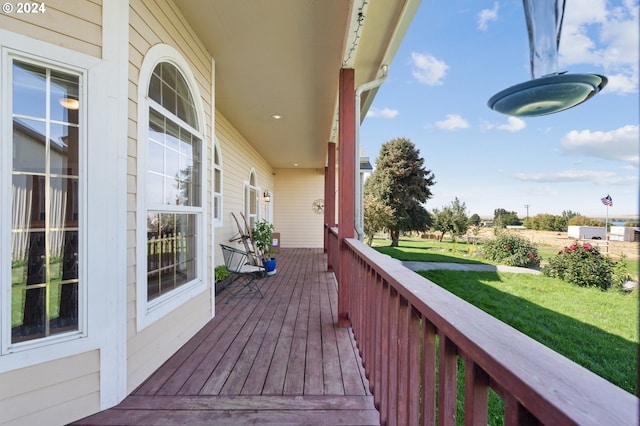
[
  {"x": 512, "y": 250},
  {"x": 620, "y": 273},
  {"x": 581, "y": 265},
  {"x": 220, "y": 273}
]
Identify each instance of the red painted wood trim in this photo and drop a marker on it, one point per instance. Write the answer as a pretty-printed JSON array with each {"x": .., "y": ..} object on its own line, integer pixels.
[
  {"x": 346, "y": 186},
  {"x": 476, "y": 394},
  {"x": 428, "y": 373},
  {"x": 447, "y": 380}
]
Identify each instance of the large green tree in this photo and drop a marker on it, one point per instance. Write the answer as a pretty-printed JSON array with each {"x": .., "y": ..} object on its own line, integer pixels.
[
  {"x": 452, "y": 218},
  {"x": 503, "y": 218},
  {"x": 377, "y": 216},
  {"x": 401, "y": 182}
]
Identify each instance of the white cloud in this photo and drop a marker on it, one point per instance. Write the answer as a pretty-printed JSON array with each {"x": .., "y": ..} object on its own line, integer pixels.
[
  {"x": 567, "y": 176},
  {"x": 428, "y": 69},
  {"x": 487, "y": 15},
  {"x": 382, "y": 113},
  {"x": 514, "y": 124},
  {"x": 619, "y": 144},
  {"x": 452, "y": 122},
  {"x": 595, "y": 33},
  {"x": 597, "y": 177}
]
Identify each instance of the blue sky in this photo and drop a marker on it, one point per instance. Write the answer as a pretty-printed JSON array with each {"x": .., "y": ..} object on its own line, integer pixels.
[{"x": 459, "y": 53}]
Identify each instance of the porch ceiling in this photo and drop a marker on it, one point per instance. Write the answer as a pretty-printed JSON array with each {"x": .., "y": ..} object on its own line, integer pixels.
[{"x": 284, "y": 56}]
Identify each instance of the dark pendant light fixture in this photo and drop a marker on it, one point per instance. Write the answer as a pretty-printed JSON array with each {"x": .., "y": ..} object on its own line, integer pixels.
[{"x": 548, "y": 91}]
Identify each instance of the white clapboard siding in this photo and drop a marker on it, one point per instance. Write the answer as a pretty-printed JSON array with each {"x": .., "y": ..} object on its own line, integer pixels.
[
  {"x": 151, "y": 23},
  {"x": 74, "y": 24},
  {"x": 40, "y": 392},
  {"x": 295, "y": 191}
]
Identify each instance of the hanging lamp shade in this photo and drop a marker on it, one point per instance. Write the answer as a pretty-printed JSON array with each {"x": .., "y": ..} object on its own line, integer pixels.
[{"x": 549, "y": 91}]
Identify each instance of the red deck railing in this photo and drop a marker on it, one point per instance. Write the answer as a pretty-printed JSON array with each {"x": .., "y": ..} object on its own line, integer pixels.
[{"x": 397, "y": 318}]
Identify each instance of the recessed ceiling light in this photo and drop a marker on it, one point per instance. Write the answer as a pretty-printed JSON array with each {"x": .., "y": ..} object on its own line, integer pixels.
[
  {"x": 295, "y": 164},
  {"x": 276, "y": 116}
]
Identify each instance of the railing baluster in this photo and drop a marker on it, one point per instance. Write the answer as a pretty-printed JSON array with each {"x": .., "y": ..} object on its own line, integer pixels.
[
  {"x": 428, "y": 373},
  {"x": 476, "y": 392},
  {"x": 515, "y": 414},
  {"x": 396, "y": 316},
  {"x": 414, "y": 343},
  {"x": 404, "y": 363},
  {"x": 377, "y": 369},
  {"x": 447, "y": 381},
  {"x": 384, "y": 361},
  {"x": 392, "y": 393}
]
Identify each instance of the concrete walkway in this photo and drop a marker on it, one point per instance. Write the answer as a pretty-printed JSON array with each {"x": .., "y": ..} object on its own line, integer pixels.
[{"x": 427, "y": 266}]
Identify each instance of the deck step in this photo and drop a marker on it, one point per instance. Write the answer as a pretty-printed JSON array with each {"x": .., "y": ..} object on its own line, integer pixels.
[{"x": 239, "y": 410}]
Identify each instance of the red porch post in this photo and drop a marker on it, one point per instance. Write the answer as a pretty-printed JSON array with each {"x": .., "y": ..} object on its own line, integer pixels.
[
  {"x": 346, "y": 186},
  {"x": 329, "y": 194}
]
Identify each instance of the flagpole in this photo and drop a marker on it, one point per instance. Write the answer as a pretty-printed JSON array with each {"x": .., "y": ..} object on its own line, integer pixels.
[{"x": 606, "y": 223}]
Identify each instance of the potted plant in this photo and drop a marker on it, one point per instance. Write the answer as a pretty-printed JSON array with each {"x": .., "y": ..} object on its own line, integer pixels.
[
  {"x": 262, "y": 236},
  {"x": 221, "y": 278}
]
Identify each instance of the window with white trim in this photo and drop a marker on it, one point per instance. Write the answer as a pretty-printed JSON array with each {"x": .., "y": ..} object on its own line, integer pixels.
[
  {"x": 46, "y": 161},
  {"x": 217, "y": 185},
  {"x": 173, "y": 183},
  {"x": 251, "y": 200}
]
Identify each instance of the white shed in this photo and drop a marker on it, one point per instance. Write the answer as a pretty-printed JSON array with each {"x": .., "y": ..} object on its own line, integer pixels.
[
  {"x": 624, "y": 233},
  {"x": 587, "y": 232}
]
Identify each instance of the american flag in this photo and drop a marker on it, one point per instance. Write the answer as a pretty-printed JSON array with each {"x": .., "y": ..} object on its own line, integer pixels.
[{"x": 607, "y": 201}]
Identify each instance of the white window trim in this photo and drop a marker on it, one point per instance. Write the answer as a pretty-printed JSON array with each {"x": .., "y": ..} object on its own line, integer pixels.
[
  {"x": 92, "y": 298},
  {"x": 7, "y": 347},
  {"x": 247, "y": 187},
  {"x": 217, "y": 222},
  {"x": 149, "y": 312}
]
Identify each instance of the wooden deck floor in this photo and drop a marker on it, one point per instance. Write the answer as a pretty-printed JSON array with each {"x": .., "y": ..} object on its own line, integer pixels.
[{"x": 276, "y": 360}]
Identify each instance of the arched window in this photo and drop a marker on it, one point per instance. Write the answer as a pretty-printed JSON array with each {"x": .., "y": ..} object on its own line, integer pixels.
[
  {"x": 251, "y": 199},
  {"x": 217, "y": 184},
  {"x": 170, "y": 175}
]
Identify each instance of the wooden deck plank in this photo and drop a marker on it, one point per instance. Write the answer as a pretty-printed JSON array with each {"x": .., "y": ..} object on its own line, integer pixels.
[
  {"x": 333, "y": 384},
  {"x": 204, "y": 368},
  {"x": 313, "y": 384},
  {"x": 191, "y": 361},
  {"x": 238, "y": 417},
  {"x": 219, "y": 375},
  {"x": 241, "y": 402},
  {"x": 293, "y": 385},
  {"x": 256, "y": 378},
  {"x": 248, "y": 357},
  {"x": 274, "y": 382},
  {"x": 276, "y": 360}
]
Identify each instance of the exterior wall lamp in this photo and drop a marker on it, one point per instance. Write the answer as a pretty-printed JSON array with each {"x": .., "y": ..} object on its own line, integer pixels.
[{"x": 266, "y": 197}]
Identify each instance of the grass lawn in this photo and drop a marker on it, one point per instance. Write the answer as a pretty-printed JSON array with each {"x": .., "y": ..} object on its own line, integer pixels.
[
  {"x": 421, "y": 250},
  {"x": 416, "y": 249},
  {"x": 596, "y": 329}
]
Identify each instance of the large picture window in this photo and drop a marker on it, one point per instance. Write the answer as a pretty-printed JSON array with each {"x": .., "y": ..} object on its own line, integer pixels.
[
  {"x": 173, "y": 183},
  {"x": 45, "y": 240}
]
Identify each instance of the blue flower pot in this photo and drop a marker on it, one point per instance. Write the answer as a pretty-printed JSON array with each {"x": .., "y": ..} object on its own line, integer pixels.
[{"x": 270, "y": 265}]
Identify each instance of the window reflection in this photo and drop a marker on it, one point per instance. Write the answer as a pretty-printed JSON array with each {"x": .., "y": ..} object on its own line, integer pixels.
[
  {"x": 173, "y": 163},
  {"x": 45, "y": 204},
  {"x": 29, "y": 90},
  {"x": 173, "y": 167},
  {"x": 171, "y": 251}
]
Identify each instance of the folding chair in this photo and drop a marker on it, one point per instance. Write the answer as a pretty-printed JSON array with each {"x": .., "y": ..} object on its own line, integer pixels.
[{"x": 246, "y": 275}]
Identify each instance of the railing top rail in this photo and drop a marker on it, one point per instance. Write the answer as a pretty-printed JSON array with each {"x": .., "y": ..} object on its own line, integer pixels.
[{"x": 552, "y": 387}]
